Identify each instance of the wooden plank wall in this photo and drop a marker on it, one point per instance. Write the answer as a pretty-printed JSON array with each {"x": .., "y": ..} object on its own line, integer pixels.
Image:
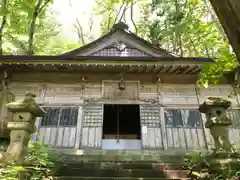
[
  {"x": 53, "y": 95},
  {"x": 178, "y": 95},
  {"x": 63, "y": 136},
  {"x": 151, "y": 127},
  {"x": 234, "y": 132},
  {"x": 185, "y": 98},
  {"x": 170, "y": 96},
  {"x": 151, "y": 122},
  {"x": 57, "y": 93},
  {"x": 184, "y": 136}
]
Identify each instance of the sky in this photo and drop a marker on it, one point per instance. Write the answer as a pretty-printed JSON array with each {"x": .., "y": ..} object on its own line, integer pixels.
[{"x": 69, "y": 10}]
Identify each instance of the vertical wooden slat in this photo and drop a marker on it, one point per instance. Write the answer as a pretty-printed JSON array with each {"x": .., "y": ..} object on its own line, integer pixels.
[
  {"x": 85, "y": 135},
  {"x": 181, "y": 138},
  {"x": 234, "y": 129},
  {"x": 176, "y": 138},
  {"x": 163, "y": 128},
  {"x": 184, "y": 134},
  {"x": 46, "y": 139},
  {"x": 66, "y": 136},
  {"x": 62, "y": 131},
  {"x": 52, "y": 136},
  {"x": 79, "y": 127}
]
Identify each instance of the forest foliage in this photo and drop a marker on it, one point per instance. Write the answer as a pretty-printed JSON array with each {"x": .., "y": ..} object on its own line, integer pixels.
[{"x": 183, "y": 27}]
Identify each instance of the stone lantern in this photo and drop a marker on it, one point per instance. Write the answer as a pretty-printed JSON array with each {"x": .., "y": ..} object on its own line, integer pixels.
[
  {"x": 224, "y": 155},
  {"x": 23, "y": 125},
  {"x": 217, "y": 121}
]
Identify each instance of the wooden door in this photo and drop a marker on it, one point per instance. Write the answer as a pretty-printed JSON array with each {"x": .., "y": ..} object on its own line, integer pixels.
[
  {"x": 91, "y": 136},
  {"x": 152, "y": 137}
]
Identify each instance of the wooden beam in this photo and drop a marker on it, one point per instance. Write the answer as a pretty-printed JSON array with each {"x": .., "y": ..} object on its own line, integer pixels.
[{"x": 68, "y": 78}]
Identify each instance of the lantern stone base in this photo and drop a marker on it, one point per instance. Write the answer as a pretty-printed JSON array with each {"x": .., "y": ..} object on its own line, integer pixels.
[{"x": 224, "y": 161}]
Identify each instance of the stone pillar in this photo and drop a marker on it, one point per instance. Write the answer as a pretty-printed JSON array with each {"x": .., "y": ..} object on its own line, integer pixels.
[{"x": 23, "y": 125}]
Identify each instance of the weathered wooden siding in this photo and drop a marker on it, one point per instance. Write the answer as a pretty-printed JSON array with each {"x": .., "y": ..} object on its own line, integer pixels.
[
  {"x": 178, "y": 102},
  {"x": 19, "y": 89},
  {"x": 178, "y": 95},
  {"x": 159, "y": 134},
  {"x": 58, "y": 128},
  {"x": 234, "y": 131},
  {"x": 184, "y": 129},
  {"x": 222, "y": 91},
  {"x": 152, "y": 136},
  {"x": 91, "y": 136},
  {"x": 148, "y": 91},
  {"x": 110, "y": 89},
  {"x": 57, "y": 93}
]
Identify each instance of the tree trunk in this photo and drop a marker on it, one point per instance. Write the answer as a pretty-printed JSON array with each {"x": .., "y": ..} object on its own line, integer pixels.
[
  {"x": 40, "y": 6},
  {"x": 4, "y": 20},
  {"x": 228, "y": 12},
  {"x": 32, "y": 26}
]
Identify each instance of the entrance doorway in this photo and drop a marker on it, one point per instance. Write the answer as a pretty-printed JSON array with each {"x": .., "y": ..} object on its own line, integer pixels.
[{"x": 121, "y": 127}]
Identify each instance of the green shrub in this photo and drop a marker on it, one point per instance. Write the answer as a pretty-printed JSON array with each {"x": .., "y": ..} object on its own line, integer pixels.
[
  {"x": 199, "y": 165},
  {"x": 39, "y": 164}
]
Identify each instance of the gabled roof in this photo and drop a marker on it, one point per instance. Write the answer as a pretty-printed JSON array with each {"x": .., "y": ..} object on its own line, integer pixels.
[
  {"x": 116, "y": 52},
  {"x": 117, "y": 40}
]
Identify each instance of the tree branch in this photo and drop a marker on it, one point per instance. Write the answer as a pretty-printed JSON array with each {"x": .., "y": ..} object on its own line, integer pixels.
[
  {"x": 118, "y": 12},
  {"x": 20, "y": 43},
  {"x": 123, "y": 13},
  {"x": 43, "y": 6},
  {"x": 80, "y": 31},
  {"x": 136, "y": 30}
]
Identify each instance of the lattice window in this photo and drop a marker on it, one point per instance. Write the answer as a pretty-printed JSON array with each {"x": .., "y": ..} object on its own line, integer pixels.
[
  {"x": 182, "y": 118},
  {"x": 150, "y": 116},
  {"x": 60, "y": 116},
  {"x": 234, "y": 115},
  {"x": 113, "y": 51},
  {"x": 93, "y": 116}
]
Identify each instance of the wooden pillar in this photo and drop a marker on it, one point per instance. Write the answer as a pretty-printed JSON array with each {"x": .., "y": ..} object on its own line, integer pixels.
[{"x": 228, "y": 12}]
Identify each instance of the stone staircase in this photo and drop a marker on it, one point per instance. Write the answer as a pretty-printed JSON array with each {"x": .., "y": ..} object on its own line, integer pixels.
[{"x": 121, "y": 165}]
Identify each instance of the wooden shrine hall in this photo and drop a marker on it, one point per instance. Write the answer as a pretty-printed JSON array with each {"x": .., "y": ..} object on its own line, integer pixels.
[{"x": 117, "y": 92}]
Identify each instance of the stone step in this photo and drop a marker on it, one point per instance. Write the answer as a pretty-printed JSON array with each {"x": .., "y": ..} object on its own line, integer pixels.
[
  {"x": 121, "y": 165},
  {"x": 121, "y": 158},
  {"x": 110, "y": 172},
  {"x": 114, "y": 178},
  {"x": 77, "y": 172}
]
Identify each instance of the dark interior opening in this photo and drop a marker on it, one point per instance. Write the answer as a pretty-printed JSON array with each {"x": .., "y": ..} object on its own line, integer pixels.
[{"x": 121, "y": 121}]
